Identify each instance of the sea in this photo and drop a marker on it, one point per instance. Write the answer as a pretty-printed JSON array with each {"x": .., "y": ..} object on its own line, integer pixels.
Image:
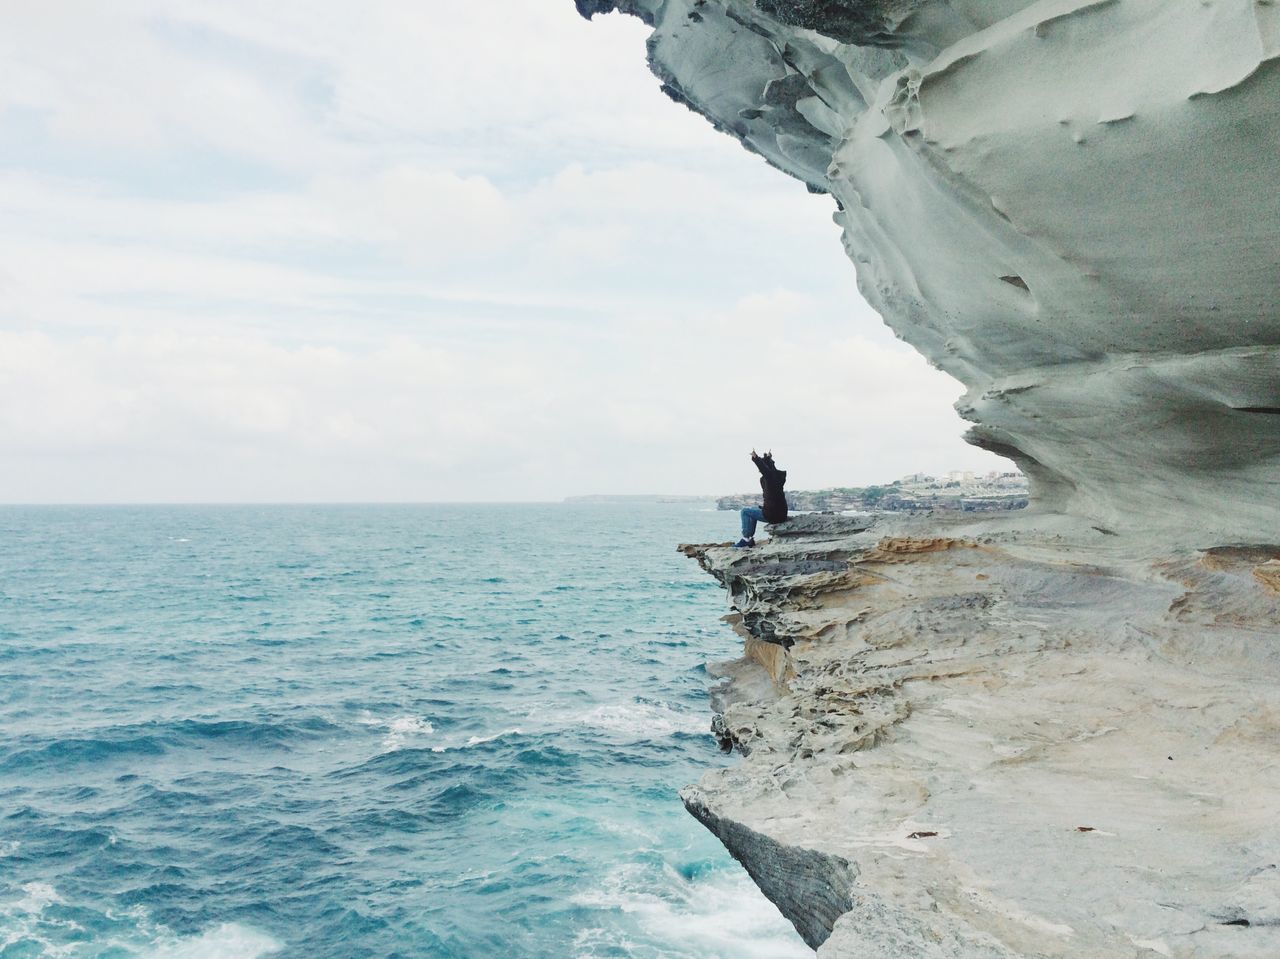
[{"x": 345, "y": 731}]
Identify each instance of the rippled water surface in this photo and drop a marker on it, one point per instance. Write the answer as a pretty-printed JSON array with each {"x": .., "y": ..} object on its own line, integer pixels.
[{"x": 447, "y": 731}]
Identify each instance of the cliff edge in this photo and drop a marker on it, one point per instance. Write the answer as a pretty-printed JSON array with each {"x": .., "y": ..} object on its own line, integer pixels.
[
  {"x": 1052, "y": 733},
  {"x": 1068, "y": 205},
  {"x": 1004, "y": 738}
]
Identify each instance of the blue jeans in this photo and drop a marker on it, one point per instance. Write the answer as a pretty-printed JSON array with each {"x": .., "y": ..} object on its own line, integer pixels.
[{"x": 750, "y": 516}]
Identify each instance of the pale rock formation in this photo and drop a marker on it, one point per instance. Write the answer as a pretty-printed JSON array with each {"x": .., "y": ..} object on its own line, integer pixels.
[
  {"x": 1009, "y": 738},
  {"x": 1048, "y": 735},
  {"x": 1072, "y": 206}
]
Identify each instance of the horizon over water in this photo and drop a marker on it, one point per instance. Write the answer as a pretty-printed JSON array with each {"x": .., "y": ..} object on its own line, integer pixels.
[
  {"x": 214, "y": 504},
  {"x": 344, "y": 730}
]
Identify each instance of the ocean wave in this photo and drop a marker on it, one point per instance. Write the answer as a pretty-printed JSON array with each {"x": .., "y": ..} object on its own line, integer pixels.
[
  {"x": 73, "y": 752},
  {"x": 156, "y": 738},
  {"x": 343, "y": 775},
  {"x": 39, "y": 925},
  {"x": 250, "y": 732},
  {"x": 401, "y": 768},
  {"x": 639, "y": 720},
  {"x": 549, "y": 757},
  {"x": 22, "y": 931},
  {"x": 712, "y": 913},
  {"x": 401, "y": 730},
  {"x": 37, "y": 896},
  {"x": 479, "y": 740},
  {"x": 457, "y": 799},
  {"x": 228, "y": 941}
]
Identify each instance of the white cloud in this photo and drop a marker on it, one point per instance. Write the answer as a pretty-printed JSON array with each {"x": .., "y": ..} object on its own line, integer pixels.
[
  {"x": 428, "y": 217},
  {"x": 522, "y": 417},
  {"x": 297, "y": 84},
  {"x": 324, "y": 251},
  {"x": 129, "y": 76}
]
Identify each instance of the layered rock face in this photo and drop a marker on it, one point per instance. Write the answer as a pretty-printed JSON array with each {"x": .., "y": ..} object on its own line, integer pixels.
[
  {"x": 1072, "y": 206},
  {"x": 1023, "y": 736},
  {"x": 1002, "y": 739}
]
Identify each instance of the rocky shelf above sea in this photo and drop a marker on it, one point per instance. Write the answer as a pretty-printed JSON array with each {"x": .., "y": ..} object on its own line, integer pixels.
[
  {"x": 1002, "y": 737},
  {"x": 1047, "y": 732}
]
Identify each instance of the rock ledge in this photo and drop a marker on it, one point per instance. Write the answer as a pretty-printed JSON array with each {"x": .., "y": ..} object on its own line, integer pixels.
[{"x": 1008, "y": 738}]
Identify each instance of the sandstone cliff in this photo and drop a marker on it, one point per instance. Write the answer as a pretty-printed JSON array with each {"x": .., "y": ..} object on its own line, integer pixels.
[
  {"x": 1003, "y": 738},
  {"x": 1069, "y": 205},
  {"x": 1054, "y": 733}
]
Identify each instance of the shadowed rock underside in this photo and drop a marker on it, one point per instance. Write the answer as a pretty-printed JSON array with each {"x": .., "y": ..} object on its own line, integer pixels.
[
  {"x": 1052, "y": 734},
  {"x": 1068, "y": 205}
]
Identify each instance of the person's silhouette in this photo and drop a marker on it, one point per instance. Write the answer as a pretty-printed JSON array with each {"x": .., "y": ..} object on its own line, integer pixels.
[{"x": 772, "y": 480}]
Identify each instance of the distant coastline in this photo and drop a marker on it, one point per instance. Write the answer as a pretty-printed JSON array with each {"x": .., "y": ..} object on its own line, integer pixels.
[
  {"x": 638, "y": 498},
  {"x": 958, "y": 490}
]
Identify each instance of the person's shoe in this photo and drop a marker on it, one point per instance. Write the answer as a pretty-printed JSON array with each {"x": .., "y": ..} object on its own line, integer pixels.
[{"x": 744, "y": 543}]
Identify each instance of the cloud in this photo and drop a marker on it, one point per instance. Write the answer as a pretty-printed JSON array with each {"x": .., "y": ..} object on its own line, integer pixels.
[
  {"x": 133, "y": 77},
  {"x": 298, "y": 85},
  {"x": 424, "y": 216},
  {"x": 526, "y": 416},
  {"x": 321, "y": 251}
]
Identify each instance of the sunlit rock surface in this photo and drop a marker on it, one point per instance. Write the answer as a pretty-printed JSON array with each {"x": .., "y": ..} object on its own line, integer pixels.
[{"x": 1072, "y": 207}]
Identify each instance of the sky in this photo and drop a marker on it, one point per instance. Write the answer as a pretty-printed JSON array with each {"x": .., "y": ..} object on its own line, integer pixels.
[{"x": 400, "y": 250}]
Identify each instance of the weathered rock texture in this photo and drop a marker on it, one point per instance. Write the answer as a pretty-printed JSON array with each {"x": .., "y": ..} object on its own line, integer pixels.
[
  {"x": 1012, "y": 739},
  {"x": 1032, "y": 737},
  {"x": 1072, "y": 206}
]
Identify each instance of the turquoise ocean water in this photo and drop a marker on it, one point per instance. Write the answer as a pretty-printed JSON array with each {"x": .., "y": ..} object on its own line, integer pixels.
[{"x": 400, "y": 731}]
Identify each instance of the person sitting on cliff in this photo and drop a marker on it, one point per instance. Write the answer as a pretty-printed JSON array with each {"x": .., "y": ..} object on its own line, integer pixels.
[{"x": 772, "y": 480}]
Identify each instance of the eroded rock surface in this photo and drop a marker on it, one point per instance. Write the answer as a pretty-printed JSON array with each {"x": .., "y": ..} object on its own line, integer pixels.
[
  {"x": 1052, "y": 735},
  {"x": 1069, "y": 205},
  {"x": 1010, "y": 738}
]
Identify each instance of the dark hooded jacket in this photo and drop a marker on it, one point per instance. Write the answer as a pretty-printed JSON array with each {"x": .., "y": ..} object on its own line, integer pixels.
[{"x": 772, "y": 480}]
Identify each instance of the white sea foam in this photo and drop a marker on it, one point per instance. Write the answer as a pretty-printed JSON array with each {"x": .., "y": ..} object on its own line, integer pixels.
[
  {"x": 477, "y": 740},
  {"x": 630, "y": 829},
  {"x": 638, "y": 720},
  {"x": 38, "y": 895},
  {"x": 719, "y": 915},
  {"x": 402, "y": 731},
  {"x": 228, "y": 941},
  {"x": 25, "y": 921}
]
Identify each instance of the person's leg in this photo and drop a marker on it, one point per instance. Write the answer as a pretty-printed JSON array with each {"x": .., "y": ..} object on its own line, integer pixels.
[{"x": 750, "y": 516}]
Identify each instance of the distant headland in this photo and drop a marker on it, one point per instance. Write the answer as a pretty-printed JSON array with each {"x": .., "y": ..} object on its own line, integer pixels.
[
  {"x": 957, "y": 490},
  {"x": 636, "y": 498}
]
